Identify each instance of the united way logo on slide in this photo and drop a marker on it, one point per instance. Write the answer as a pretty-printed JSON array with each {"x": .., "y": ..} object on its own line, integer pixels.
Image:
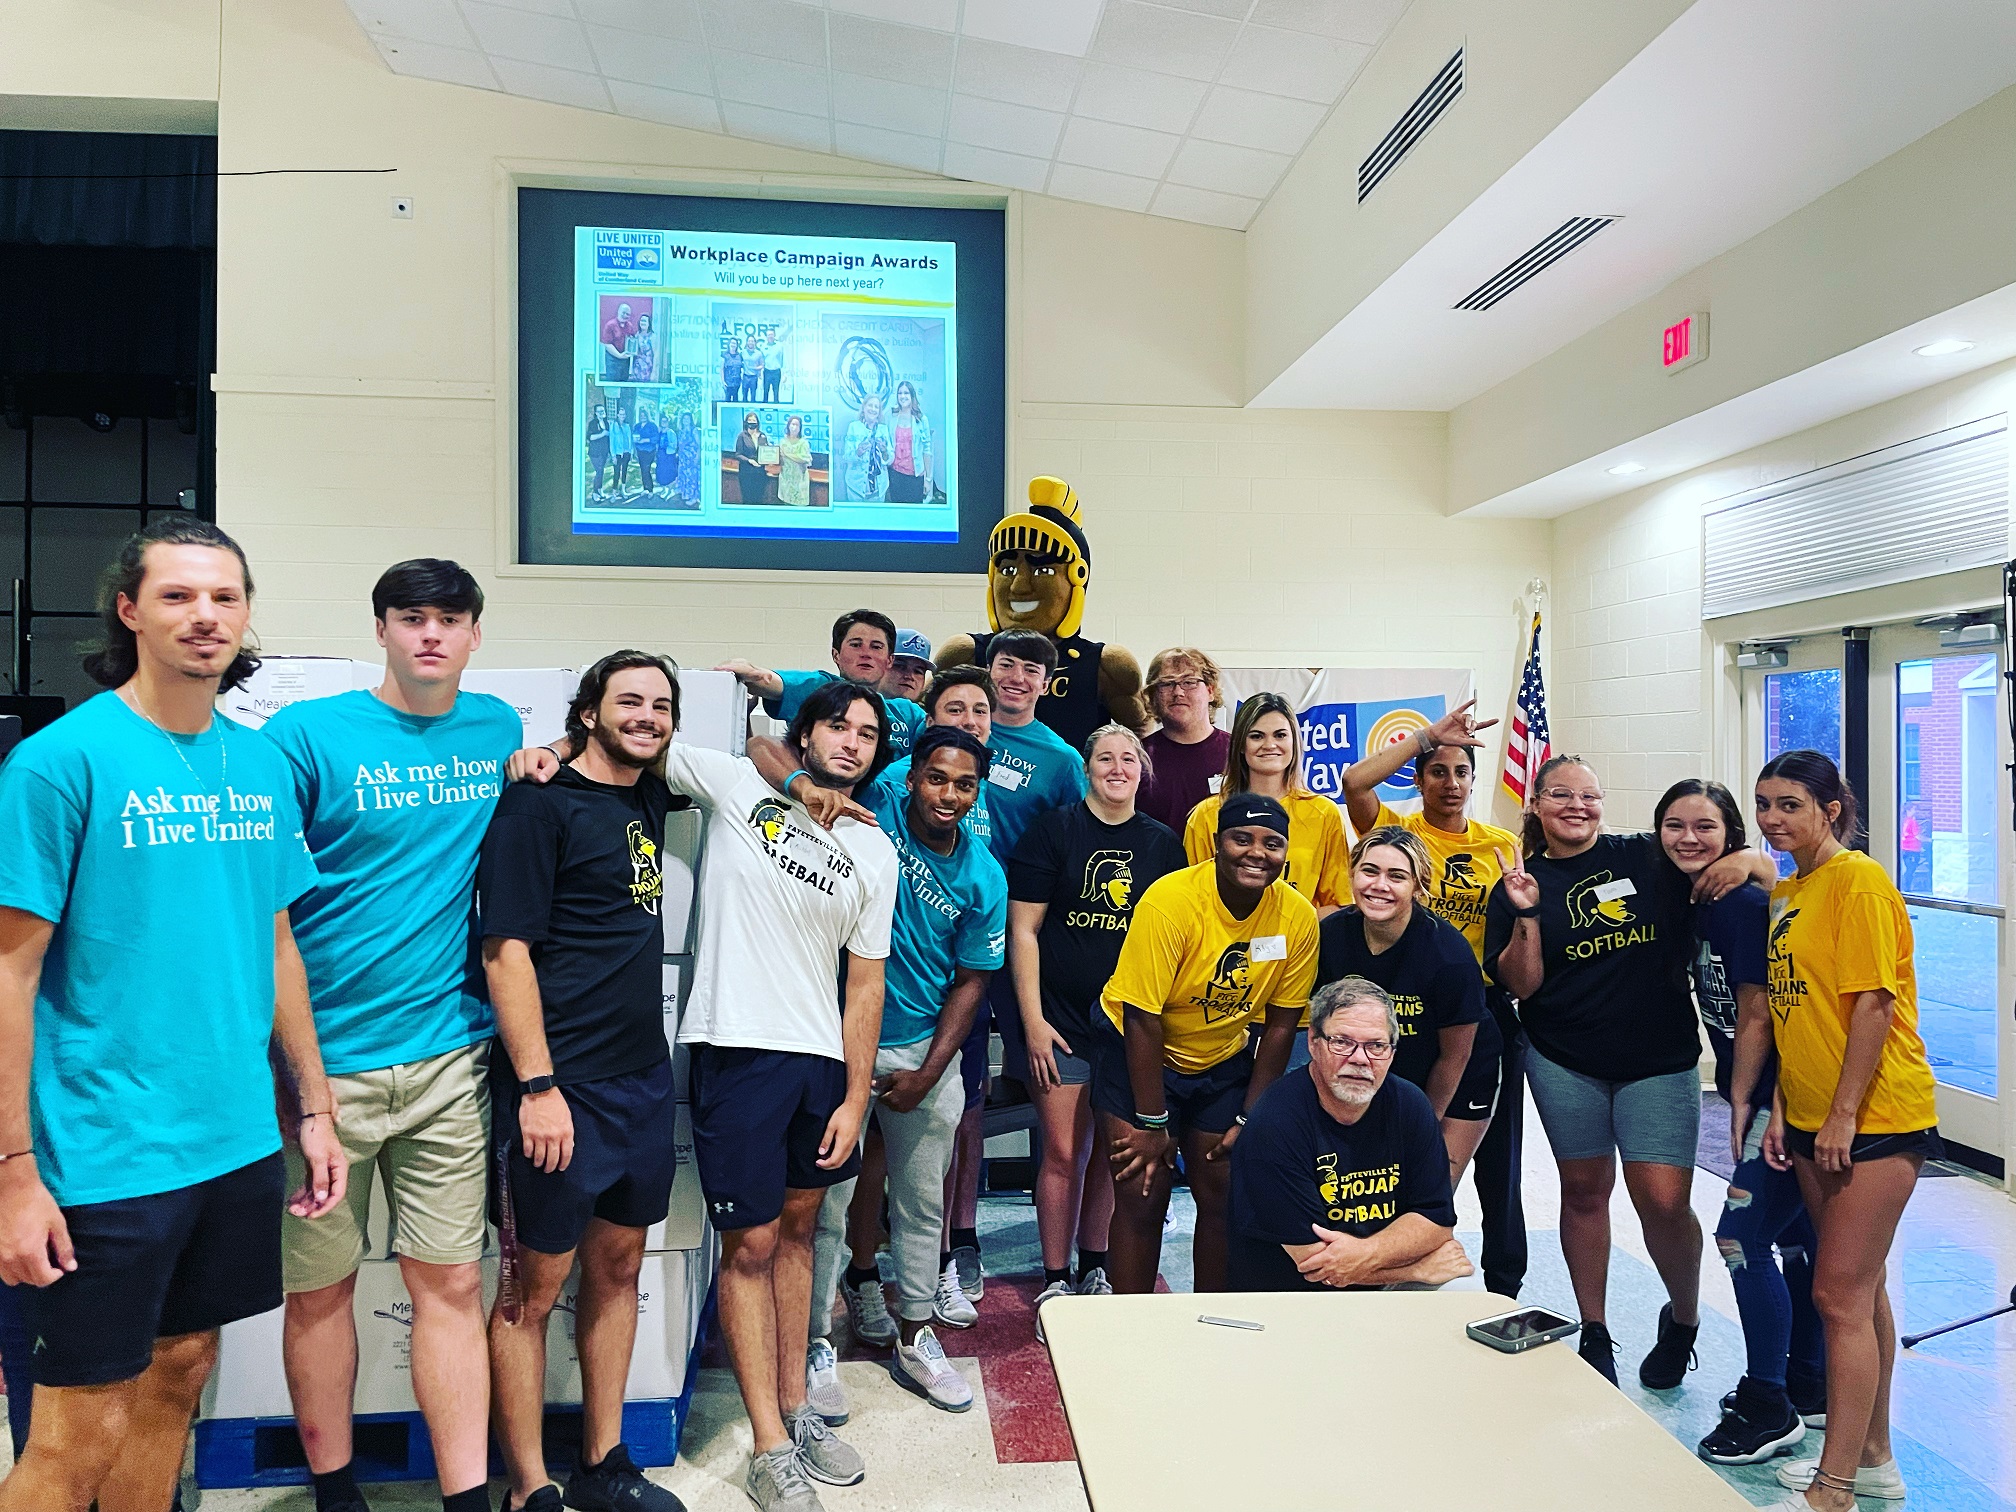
[
  {"x": 1388, "y": 724},
  {"x": 1329, "y": 745},
  {"x": 629, "y": 256}
]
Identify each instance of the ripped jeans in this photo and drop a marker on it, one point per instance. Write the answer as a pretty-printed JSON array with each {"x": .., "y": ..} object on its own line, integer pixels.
[{"x": 1781, "y": 1330}]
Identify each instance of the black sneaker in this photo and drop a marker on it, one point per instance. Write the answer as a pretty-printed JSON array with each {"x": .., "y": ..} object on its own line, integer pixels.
[
  {"x": 1757, "y": 1424},
  {"x": 545, "y": 1499},
  {"x": 616, "y": 1485},
  {"x": 1600, "y": 1350},
  {"x": 1809, "y": 1400},
  {"x": 1672, "y": 1357}
]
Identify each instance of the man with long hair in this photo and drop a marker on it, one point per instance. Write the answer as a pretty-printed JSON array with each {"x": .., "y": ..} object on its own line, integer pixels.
[{"x": 141, "y": 1179}]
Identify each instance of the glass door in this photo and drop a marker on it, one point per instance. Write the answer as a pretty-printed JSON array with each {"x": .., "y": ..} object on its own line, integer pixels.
[
  {"x": 1793, "y": 707},
  {"x": 1939, "y": 811}
]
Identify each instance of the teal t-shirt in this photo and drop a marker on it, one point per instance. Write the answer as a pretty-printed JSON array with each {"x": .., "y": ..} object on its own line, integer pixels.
[
  {"x": 1034, "y": 771},
  {"x": 395, "y": 806},
  {"x": 895, "y": 779},
  {"x": 906, "y": 719},
  {"x": 951, "y": 911},
  {"x": 161, "y": 860}
]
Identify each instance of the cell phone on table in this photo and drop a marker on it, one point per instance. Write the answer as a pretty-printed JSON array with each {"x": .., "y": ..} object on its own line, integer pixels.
[{"x": 1521, "y": 1329}]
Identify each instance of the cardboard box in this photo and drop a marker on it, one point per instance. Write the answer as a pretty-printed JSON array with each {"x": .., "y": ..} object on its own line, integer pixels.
[
  {"x": 713, "y": 711},
  {"x": 540, "y": 695},
  {"x": 671, "y": 1294},
  {"x": 685, "y": 1226},
  {"x": 682, "y": 1056},
  {"x": 282, "y": 680}
]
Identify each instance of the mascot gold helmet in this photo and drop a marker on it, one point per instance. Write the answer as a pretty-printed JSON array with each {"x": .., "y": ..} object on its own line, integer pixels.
[{"x": 1053, "y": 530}]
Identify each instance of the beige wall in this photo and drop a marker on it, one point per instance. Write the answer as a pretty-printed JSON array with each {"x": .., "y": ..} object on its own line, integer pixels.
[
  {"x": 1636, "y": 685},
  {"x": 109, "y": 65}
]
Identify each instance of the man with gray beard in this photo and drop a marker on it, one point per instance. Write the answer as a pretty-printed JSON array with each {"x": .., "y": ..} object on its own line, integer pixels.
[{"x": 1340, "y": 1178}]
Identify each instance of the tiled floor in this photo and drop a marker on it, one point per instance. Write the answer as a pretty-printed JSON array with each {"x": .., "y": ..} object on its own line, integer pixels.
[{"x": 1955, "y": 1397}]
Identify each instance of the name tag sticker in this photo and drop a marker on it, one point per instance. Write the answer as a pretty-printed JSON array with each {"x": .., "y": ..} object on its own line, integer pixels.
[
  {"x": 1269, "y": 948},
  {"x": 1215, "y": 781},
  {"x": 1622, "y": 887},
  {"x": 1005, "y": 777}
]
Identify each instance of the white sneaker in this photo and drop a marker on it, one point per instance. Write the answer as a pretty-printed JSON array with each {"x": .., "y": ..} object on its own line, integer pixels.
[
  {"x": 868, "y": 1314},
  {"x": 823, "y": 1392},
  {"x": 921, "y": 1367},
  {"x": 1054, "y": 1289},
  {"x": 1095, "y": 1284},
  {"x": 972, "y": 1274},
  {"x": 1884, "y": 1482},
  {"x": 951, "y": 1306}
]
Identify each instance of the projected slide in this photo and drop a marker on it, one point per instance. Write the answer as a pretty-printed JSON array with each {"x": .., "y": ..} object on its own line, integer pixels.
[{"x": 752, "y": 385}]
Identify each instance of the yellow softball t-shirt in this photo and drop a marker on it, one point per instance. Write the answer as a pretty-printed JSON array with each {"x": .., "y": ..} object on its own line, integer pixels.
[
  {"x": 1206, "y": 973},
  {"x": 1464, "y": 868},
  {"x": 1319, "y": 857},
  {"x": 1836, "y": 933}
]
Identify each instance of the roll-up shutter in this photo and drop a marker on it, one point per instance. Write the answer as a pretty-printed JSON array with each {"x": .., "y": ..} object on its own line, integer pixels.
[{"x": 1937, "y": 504}]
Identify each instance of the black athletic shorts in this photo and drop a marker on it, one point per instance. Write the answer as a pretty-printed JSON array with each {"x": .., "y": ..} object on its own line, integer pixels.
[
  {"x": 1198, "y": 1102},
  {"x": 179, "y": 1262},
  {"x": 973, "y": 1056},
  {"x": 759, "y": 1117},
  {"x": 1477, "y": 1093},
  {"x": 1921, "y": 1142},
  {"x": 624, "y": 1157}
]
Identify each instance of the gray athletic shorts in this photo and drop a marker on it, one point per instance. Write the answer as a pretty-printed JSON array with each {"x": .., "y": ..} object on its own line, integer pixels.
[{"x": 1656, "y": 1119}]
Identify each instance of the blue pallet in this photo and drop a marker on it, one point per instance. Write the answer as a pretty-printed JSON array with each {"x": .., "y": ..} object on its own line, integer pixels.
[{"x": 394, "y": 1446}]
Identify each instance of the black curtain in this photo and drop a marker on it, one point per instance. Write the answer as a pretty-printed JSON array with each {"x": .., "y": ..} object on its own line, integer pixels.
[{"x": 107, "y": 189}]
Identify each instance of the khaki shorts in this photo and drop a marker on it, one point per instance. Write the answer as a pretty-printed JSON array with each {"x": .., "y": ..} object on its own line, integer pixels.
[{"x": 426, "y": 1126}]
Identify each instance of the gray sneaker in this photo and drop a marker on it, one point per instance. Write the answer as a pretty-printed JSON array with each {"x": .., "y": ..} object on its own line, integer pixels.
[
  {"x": 1095, "y": 1283},
  {"x": 972, "y": 1274},
  {"x": 776, "y": 1483},
  {"x": 823, "y": 1390},
  {"x": 921, "y": 1366},
  {"x": 820, "y": 1454}
]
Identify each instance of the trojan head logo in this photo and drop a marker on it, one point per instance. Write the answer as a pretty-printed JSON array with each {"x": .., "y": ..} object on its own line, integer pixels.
[
  {"x": 767, "y": 819},
  {"x": 1459, "y": 875},
  {"x": 1778, "y": 950},
  {"x": 647, "y": 884},
  {"x": 1230, "y": 974},
  {"x": 1109, "y": 879},
  {"x": 1587, "y": 911},
  {"x": 1328, "y": 1183}
]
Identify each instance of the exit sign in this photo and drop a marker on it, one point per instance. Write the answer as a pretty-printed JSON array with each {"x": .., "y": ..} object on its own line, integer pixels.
[{"x": 1685, "y": 342}]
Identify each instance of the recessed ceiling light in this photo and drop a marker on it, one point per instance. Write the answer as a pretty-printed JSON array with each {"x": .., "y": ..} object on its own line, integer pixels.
[
  {"x": 1944, "y": 348},
  {"x": 1625, "y": 469}
]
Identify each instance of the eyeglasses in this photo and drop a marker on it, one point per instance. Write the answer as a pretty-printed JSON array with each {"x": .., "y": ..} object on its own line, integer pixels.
[
  {"x": 1343, "y": 1047},
  {"x": 1179, "y": 684},
  {"x": 1566, "y": 795}
]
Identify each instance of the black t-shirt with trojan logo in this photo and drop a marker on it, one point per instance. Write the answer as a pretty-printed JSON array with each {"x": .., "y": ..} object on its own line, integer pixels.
[
  {"x": 1428, "y": 972},
  {"x": 1616, "y": 938},
  {"x": 574, "y": 869},
  {"x": 1294, "y": 1165},
  {"x": 1089, "y": 874}
]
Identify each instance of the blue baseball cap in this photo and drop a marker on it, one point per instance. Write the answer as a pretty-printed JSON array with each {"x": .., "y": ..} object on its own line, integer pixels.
[{"x": 912, "y": 645}]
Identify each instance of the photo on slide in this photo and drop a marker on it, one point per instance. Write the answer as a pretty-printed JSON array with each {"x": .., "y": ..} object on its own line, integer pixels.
[
  {"x": 883, "y": 374},
  {"x": 642, "y": 445},
  {"x": 755, "y": 350},
  {"x": 633, "y": 331},
  {"x": 775, "y": 455}
]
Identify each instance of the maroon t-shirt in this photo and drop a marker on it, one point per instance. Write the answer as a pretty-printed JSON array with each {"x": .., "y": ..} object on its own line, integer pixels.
[{"x": 1182, "y": 777}]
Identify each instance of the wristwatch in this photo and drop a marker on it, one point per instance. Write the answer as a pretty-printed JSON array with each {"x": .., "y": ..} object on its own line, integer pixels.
[{"x": 536, "y": 1085}]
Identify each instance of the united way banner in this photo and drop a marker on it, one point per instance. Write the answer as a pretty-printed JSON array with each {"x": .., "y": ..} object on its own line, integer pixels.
[{"x": 1346, "y": 711}]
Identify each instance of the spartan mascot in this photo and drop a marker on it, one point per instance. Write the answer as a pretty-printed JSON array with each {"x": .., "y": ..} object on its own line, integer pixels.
[{"x": 1038, "y": 564}]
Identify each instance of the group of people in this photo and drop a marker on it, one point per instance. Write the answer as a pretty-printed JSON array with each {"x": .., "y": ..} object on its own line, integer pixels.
[
  {"x": 664, "y": 448},
  {"x": 888, "y": 458},
  {"x": 629, "y": 346},
  {"x": 756, "y": 453},
  {"x": 444, "y": 953},
  {"x": 752, "y": 369}
]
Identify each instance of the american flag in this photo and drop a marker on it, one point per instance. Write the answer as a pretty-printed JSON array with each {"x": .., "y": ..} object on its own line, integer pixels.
[{"x": 1527, "y": 748}]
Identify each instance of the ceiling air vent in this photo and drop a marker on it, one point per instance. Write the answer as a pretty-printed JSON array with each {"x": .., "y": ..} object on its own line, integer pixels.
[
  {"x": 1427, "y": 109},
  {"x": 1549, "y": 250}
]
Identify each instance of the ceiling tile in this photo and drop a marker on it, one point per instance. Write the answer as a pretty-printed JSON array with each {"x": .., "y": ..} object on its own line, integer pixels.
[
  {"x": 1019, "y": 75},
  {"x": 436, "y": 21},
  {"x": 880, "y": 146},
  {"x": 562, "y": 86},
  {"x": 1203, "y": 205},
  {"x": 1005, "y": 128},
  {"x": 1234, "y": 9},
  {"x": 1293, "y": 63},
  {"x": 939, "y": 15},
  {"x": 782, "y": 126},
  {"x": 1165, "y": 41},
  {"x": 423, "y": 60},
  {"x": 543, "y": 7},
  {"x": 894, "y": 107},
  {"x": 662, "y": 62},
  {"x": 1365, "y": 21},
  {"x": 1118, "y": 149},
  {"x": 985, "y": 166},
  {"x": 1058, "y": 26},
  {"x": 1229, "y": 170},
  {"x": 666, "y": 106},
  {"x": 767, "y": 29},
  {"x": 1134, "y": 97},
  {"x": 664, "y": 18},
  {"x": 1115, "y": 189},
  {"x": 797, "y": 88},
  {"x": 1247, "y": 119},
  {"x": 904, "y": 54},
  {"x": 553, "y": 41}
]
